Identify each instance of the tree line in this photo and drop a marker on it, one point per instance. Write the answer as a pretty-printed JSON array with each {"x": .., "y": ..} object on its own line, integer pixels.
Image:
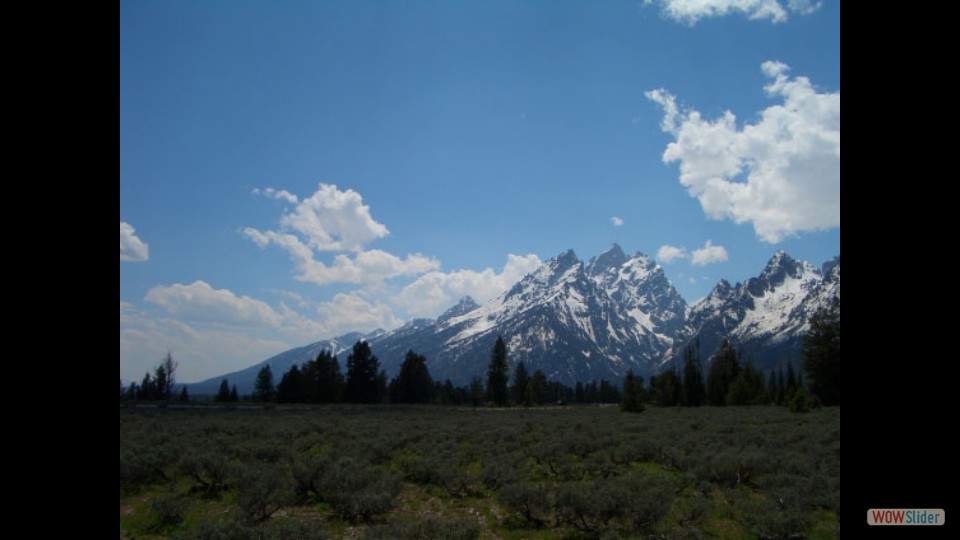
[
  {"x": 730, "y": 380},
  {"x": 733, "y": 381}
]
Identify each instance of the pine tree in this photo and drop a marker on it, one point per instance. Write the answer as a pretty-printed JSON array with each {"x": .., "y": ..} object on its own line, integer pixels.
[
  {"x": 263, "y": 389},
  {"x": 413, "y": 384},
  {"x": 497, "y": 374},
  {"x": 747, "y": 388},
  {"x": 791, "y": 386},
  {"x": 520, "y": 379},
  {"x": 540, "y": 388},
  {"x": 632, "y": 393},
  {"x": 578, "y": 392},
  {"x": 290, "y": 388},
  {"x": 165, "y": 377},
  {"x": 781, "y": 387},
  {"x": 148, "y": 389},
  {"x": 476, "y": 392},
  {"x": 694, "y": 392},
  {"x": 668, "y": 391},
  {"x": 821, "y": 354},
  {"x": 365, "y": 382},
  {"x": 223, "y": 395},
  {"x": 723, "y": 370},
  {"x": 132, "y": 391},
  {"x": 322, "y": 380},
  {"x": 183, "y": 394}
]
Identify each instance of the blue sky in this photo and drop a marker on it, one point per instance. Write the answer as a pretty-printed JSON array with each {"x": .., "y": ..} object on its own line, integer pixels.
[{"x": 290, "y": 171}]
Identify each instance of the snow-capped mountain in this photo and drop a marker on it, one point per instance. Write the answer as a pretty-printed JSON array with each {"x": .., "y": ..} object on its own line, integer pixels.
[
  {"x": 639, "y": 285},
  {"x": 765, "y": 316},
  {"x": 583, "y": 321},
  {"x": 574, "y": 320}
]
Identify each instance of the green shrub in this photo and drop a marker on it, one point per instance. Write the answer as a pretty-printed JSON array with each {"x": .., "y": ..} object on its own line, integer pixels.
[
  {"x": 357, "y": 492},
  {"x": 307, "y": 470},
  {"x": 169, "y": 511},
  {"x": 143, "y": 464},
  {"x": 262, "y": 490},
  {"x": 531, "y": 501},
  {"x": 209, "y": 469}
]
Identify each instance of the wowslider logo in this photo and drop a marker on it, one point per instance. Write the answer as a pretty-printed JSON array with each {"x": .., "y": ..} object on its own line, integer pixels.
[{"x": 905, "y": 516}]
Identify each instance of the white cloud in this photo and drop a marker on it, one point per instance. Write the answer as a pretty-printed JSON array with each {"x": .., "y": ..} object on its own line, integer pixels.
[
  {"x": 617, "y": 222},
  {"x": 201, "y": 302},
  {"x": 691, "y": 11},
  {"x": 330, "y": 219},
  {"x": 280, "y": 195},
  {"x": 782, "y": 174},
  {"x": 132, "y": 249},
  {"x": 708, "y": 254},
  {"x": 338, "y": 221},
  {"x": 434, "y": 292},
  {"x": 350, "y": 312},
  {"x": 669, "y": 254},
  {"x": 364, "y": 267}
]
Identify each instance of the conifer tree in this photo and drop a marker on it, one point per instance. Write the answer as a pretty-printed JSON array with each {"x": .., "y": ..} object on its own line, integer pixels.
[
  {"x": 364, "y": 379},
  {"x": 223, "y": 395},
  {"x": 263, "y": 388},
  {"x": 234, "y": 395},
  {"x": 821, "y": 354},
  {"x": 497, "y": 374},
  {"x": 520, "y": 379},
  {"x": 476, "y": 392},
  {"x": 290, "y": 389},
  {"x": 723, "y": 370},
  {"x": 540, "y": 388},
  {"x": 413, "y": 384},
  {"x": 322, "y": 380},
  {"x": 694, "y": 392},
  {"x": 632, "y": 393}
]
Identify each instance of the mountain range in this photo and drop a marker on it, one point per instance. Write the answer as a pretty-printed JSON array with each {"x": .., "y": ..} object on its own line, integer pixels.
[{"x": 580, "y": 321}]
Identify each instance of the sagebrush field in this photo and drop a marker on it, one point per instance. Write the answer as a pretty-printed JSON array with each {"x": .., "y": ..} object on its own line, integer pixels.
[{"x": 457, "y": 472}]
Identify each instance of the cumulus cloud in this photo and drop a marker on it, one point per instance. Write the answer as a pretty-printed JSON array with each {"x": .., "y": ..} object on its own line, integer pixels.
[
  {"x": 691, "y": 11},
  {"x": 349, "y": 312},
  {"x": 781, "y": 174},
  {"x": 364, "y": 267},
  {"x": 199, "y": 301},
  {"x": 132, "y": 249},
  {"x": 669, "y": 254},
  {"x": 331, "y": 220},
  {"x": 616, "y": 221},
  {"x": 708, "y": 254},
  {"x": 434, "y": 292}
]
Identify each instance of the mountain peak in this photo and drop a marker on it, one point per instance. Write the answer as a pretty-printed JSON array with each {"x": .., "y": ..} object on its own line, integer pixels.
[
  {"x": 611, "y": 258},
  {"x": 566, "y": 259},
  {"x": 464, "y": 306}
]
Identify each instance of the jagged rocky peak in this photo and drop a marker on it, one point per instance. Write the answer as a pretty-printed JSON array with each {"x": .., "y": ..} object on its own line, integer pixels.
[
  {"x": 565, "y": 260},
  {"x": 554, "y": 269},
  {"x": 612, "y": 258},
  {"x": 780, "y": 268},
  {"x": 831, "y": 266},
  {"x": 464, "y": 306}
]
